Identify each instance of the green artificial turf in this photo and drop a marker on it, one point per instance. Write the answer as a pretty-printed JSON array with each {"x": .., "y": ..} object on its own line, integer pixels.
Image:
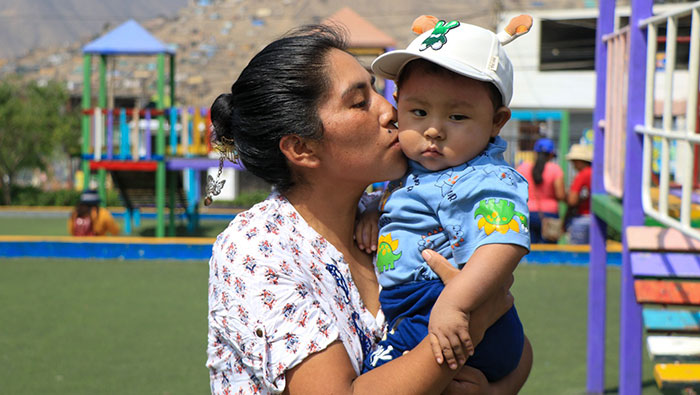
[
  {"x": 552, "y": 301},
  {"x": 139, "y": 327},
  {"x": 102, "y": 327}
]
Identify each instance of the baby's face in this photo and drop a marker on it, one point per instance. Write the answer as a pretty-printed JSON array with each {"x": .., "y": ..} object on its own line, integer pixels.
[{"x": 445, "y": 121}]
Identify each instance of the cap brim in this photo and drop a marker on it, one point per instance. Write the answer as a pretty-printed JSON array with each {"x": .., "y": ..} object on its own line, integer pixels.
[
  {"x": 579, "y": 157},
  {"x": 390, "y": 64}
]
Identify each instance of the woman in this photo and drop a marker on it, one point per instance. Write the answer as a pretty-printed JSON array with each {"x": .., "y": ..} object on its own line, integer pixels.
[
  {"x": 546, "y": 188},
  {"x": 293, "y": 301}
]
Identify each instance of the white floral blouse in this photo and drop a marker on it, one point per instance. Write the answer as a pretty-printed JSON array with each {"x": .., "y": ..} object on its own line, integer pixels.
[{"x": 278, "y": 292}]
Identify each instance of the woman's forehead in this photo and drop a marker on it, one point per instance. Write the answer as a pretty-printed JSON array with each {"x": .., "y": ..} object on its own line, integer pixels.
[{"x": 344, "y": 71}]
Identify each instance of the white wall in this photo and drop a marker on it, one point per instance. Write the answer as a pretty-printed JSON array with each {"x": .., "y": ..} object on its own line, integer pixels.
[{"x": 533, "y": 89}]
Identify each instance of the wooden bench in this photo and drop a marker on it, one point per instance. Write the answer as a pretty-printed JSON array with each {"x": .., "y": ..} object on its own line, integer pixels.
[{"x": 666, "y": 267}]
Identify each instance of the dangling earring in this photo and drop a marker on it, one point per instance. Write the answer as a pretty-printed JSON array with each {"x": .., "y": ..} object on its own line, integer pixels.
[{"x": 214, "y": 187}]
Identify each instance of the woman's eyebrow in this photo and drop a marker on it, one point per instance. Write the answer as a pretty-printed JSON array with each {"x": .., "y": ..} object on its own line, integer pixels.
[{"x": 359, "y": 86}]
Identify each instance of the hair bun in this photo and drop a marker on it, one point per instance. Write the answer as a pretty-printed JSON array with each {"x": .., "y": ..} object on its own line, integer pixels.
[{"x": 222, "y": 118}]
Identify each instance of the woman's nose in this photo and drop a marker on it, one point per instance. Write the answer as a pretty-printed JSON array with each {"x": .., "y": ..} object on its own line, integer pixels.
[{"x": 388, "y": 116}]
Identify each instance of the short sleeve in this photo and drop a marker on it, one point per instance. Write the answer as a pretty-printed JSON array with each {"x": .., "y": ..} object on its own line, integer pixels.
[
  {"x": 577, "y": 184},
  {"x": 486, "y": 205},
  {"x": 262, "y": 322}
]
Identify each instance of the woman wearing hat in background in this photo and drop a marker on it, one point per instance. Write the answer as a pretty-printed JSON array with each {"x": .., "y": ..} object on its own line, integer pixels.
[
  {"x": 579, "y": 196},
  {"x": 89, "y": 219},
  {"x": 546, "y": 187}
]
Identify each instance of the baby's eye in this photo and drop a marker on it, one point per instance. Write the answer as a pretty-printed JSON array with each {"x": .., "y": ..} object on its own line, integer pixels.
[
  {"x": 419, "y": 113},
  {"x": 458, "y": 117}
]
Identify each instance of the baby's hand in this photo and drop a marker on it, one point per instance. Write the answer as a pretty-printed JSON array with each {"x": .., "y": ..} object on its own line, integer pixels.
[
  {"x": 367, "y": 230},
  {"x": 449, "y": 335}
]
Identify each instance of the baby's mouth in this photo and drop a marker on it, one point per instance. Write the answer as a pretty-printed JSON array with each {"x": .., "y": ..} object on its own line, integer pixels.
[{"x": 432, "y": 151}]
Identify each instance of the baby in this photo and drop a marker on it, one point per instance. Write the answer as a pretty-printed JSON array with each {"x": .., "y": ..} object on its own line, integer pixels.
[{"x": 459, "y": 197}]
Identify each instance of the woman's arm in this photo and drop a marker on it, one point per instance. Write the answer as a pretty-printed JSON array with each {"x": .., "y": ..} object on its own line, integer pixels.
[
  {"x": 472, "y": 381},
  {"x": 559, "y": 190},
  {"x": 330, "y": 372},
  {"x": 416, "y": 372}
]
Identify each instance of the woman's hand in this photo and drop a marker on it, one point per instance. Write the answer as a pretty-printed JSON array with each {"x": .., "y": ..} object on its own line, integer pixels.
[{"x": 441, "y": 266}]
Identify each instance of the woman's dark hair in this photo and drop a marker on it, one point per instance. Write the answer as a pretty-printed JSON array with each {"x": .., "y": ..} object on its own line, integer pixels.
[
  {"x": 542, "y": 159},
  {"x": 424, "y": 66},
  {"x": 277, "y": 94}
]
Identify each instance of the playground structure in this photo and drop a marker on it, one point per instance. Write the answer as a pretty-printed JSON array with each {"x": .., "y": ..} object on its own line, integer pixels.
[
  {"x": 638, "y": 113},
  {"x": 156, "y": 155},
  {"x": 141, "y": 160}
]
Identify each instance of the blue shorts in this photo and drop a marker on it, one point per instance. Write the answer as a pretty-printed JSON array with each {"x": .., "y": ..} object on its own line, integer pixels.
[{"x": 407, "y": 309}]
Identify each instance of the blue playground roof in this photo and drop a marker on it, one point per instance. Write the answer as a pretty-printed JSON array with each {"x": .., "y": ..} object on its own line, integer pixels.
[{"x": 129, "y": 38}]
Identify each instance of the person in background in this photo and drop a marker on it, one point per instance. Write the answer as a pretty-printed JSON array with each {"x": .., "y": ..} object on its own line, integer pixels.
[
  {"x": 546, "y": 187},
  {"x": 579, "y": 195},
  {"x": 89, "y": 219}
]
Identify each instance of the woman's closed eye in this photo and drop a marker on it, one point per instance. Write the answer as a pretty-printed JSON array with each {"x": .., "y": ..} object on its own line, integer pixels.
[{"x": 360, "y": 104}]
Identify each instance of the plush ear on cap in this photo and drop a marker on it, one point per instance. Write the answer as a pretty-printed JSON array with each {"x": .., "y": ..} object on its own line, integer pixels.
[
  {"x": 517, "y": 26},
  {"x": 424, "y": 23}
]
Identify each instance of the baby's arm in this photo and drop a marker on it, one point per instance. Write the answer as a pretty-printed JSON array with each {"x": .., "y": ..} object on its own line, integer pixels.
[
  {"x": 489, "y": 267},
  {"x": 367, "y": 225}
]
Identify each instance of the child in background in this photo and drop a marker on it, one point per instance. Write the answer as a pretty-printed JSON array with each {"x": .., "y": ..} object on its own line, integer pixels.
[
  {"x": 459, "y": 197},
  {"x": 579, "y": 196},
  {"x": 89, "y": 219}
]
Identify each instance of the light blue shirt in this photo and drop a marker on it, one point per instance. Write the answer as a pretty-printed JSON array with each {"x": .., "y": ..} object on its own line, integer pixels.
[{"x": 452, "y": 211}]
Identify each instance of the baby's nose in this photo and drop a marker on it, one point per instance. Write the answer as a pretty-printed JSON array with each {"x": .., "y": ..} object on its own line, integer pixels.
[{"x": 433, "y": 133}]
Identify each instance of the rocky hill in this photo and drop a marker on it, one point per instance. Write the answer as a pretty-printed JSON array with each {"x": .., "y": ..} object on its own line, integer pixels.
[
  {"x": 31, "y": 24},
  {"x": 214, "y": 39}
]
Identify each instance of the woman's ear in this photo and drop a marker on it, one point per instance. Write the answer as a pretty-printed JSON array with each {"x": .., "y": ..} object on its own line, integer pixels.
[
  {"x": 500, "y": 117},
  {"x": 299, "y": 151}
]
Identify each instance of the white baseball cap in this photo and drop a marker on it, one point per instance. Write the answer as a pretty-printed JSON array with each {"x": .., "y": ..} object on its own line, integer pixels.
[{"x": 465, "y": 49}]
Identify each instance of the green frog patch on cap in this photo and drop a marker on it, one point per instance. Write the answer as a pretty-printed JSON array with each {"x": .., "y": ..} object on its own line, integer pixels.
[{"x": 437, "y": 38}]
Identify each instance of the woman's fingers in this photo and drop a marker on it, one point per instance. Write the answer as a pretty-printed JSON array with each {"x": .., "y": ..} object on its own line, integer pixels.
[{"x": 440, "y": 265}]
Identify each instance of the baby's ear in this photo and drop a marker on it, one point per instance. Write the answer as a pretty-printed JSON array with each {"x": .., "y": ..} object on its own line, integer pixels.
[
  {"x": 517, "y": 26},
  {"x": 424, "y": 23}
]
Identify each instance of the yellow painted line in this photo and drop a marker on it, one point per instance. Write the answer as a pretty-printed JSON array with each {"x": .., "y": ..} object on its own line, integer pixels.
[
  {"x": 110, "y": 239},
  {"x": 612, "y": 246},
  {"x": 670, "y": 373}
]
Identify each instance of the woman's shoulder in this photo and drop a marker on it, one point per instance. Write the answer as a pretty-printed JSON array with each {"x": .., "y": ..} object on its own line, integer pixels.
[
  {"x": 553, "y": 169},
  {"x": 262, "y": 227},
  {"x": 271, "y": 214}
]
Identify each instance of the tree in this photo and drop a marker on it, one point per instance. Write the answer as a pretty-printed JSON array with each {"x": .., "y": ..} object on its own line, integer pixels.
[{"x": 34, "y": 123}]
